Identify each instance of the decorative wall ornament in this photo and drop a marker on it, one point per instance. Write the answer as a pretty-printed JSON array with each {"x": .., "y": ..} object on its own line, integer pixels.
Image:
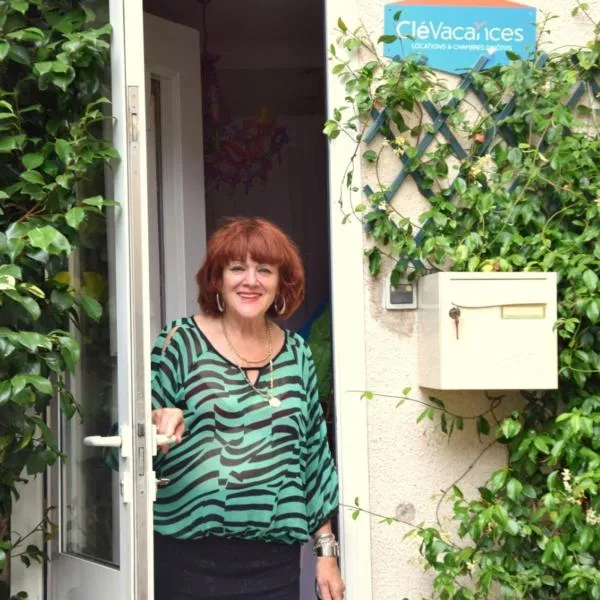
[
  {"x": 244, "y": 151},
  {"x": 237, "y": 151}
]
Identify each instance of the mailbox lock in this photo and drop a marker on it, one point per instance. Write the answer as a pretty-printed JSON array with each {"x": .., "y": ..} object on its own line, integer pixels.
[{"x": 454, "y": 314}]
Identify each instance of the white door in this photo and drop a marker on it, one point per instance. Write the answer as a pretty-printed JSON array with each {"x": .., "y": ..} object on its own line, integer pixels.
[
  {"x": 103, "y": 548},
  {"x": 176, "y": 201}
]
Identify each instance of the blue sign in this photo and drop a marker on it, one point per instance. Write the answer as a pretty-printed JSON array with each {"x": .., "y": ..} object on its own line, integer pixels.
[{"x": 452, "y": 37}]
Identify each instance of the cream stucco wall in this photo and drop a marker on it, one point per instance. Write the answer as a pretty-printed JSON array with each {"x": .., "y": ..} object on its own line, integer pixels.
[{"x": 408, "y": 463}]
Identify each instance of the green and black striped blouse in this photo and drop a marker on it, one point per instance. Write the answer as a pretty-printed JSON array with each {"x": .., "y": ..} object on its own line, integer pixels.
[{"x": 243, "y": 469}]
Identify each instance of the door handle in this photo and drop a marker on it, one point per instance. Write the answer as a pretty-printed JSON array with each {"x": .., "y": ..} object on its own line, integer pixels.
[
  {"x": 165, "y": 440},
  {"x": 116, "y": 441},
  {"x": 99, "y": 441}
]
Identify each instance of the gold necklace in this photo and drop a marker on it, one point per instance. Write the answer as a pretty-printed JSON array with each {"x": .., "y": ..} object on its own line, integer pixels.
[
  {"x": 270, "y": 397},
  {"x": 267, "y": 356}
]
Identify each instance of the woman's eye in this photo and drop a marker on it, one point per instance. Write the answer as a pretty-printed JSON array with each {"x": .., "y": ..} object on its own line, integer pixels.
[
  {"x": 265, "y": 271},
  {"x": 237, "y": 268}
]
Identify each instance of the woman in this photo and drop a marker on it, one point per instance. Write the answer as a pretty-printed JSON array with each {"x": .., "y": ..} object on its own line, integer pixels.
[{"x": 250, "y": 477}]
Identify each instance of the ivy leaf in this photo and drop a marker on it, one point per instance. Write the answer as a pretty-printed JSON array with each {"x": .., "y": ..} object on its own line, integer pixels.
[
  {"x": 19, "y": 55},
  {"x": 91, "y": 306},
  {"x": 42, "y": 68},
  {"x": 29, "y": 304},
  {"x": 30, "y": 34},
  {"x": 510, "y": 428},
  {"x": 33, "y": 160},
  {"x": 591, "y": 280},
  {"x": 19, "y": 5},
  {"x": 498, "y": 480},
  {"x": 49, "y": 239},
  {"x": 33, "y": 177},
  {"x": 69, "y": 349},
  {"x": 483, "y": 426},
  {"x": 514, "y": 488},
  {"x": 593, "y": 310},
  {"x": 75, "y": 217},
  {"x": 99, "y": 202},
  {"x": 4, "y": 50},
  {"x": 374, "y": 261},
  {"x": 8, "y": 143},
  {"x": 63, "y": 150}
]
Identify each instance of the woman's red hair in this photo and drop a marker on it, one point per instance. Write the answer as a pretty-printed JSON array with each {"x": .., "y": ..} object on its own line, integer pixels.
[{"x": 265, "y": 243}]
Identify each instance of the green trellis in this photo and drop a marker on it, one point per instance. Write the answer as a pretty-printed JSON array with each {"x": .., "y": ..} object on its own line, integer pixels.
[{"x": 439, "y": 126}]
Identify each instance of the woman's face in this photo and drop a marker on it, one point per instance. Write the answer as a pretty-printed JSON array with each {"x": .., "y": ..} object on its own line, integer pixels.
[{"x": 249, "y": 288}]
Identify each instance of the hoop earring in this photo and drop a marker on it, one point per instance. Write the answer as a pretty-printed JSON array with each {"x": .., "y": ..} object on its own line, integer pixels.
[
  {"x": 219, "y": 303},
  {"x": 280, "y": 309}
]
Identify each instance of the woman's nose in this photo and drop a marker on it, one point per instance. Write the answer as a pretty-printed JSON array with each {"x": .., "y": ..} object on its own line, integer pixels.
[{"x": 251, "y": 276}]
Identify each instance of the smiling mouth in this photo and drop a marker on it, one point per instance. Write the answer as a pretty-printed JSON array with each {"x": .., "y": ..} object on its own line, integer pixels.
[{"x": 249, "y": 297}]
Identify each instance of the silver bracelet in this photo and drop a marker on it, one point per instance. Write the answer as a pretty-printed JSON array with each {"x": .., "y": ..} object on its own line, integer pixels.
[
  {"x": 325, "y": 544},
  {"x": 328, "y": 549}
]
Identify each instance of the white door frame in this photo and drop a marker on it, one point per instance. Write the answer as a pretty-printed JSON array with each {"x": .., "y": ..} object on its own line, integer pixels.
[
  {"x": 170, "y": 60},
  {"x": 349, "y": 341}
]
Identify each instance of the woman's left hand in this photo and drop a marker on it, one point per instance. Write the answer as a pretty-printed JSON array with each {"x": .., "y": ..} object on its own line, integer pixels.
[{"x": 329, "y": 579}]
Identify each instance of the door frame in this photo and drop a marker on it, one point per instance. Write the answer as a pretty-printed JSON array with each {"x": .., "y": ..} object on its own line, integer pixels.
[{"x": 349, "y": 342}]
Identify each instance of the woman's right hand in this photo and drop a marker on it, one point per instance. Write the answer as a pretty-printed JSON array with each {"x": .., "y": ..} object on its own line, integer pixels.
[{"x": 169, "y": 422}]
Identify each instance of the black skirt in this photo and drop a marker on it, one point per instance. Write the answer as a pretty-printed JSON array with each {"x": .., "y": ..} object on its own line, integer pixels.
[{"x": 225, "y": 569}]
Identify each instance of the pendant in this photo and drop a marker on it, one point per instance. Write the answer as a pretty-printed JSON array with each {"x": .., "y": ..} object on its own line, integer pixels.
[{"x": 274, "y": 401}]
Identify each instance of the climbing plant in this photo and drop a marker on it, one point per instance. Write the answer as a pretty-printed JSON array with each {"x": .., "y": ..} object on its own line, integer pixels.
[
  {"x": 508, "y": 162},
  {"x": 53, "y": 61}
]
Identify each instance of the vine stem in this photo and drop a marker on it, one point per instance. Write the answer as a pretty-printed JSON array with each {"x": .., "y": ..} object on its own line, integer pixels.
[{"x": 434, "y": 406}]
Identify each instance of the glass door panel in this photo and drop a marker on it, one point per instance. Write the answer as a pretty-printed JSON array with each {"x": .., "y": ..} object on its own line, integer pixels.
[
  {"x": 103, "y": 494},
  {"x": 90, "y": 487}
]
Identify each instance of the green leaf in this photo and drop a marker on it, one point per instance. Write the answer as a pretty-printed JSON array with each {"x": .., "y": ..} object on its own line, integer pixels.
[
  {"x": 4, "y": 49},
  {"x": 42, "y": 68},
  {"x": 370, "y": 156},
  {"x": 29, "y": 304},
  {"x": 32, "y": 341},
  {"x": 33, "y": 177},
  {"x": 514, "y": 488},
  {"x": 387, "y": 39},
  {"x": 19, "y": 55},
  {"x": 8, "y": 143},
  {"x": 63, "y": 150},
  {"x": 33, "y": 160},
  {"x": 483, "y": 426},
  {"x": 374, "y": 261},
  {"x": 49, "y": 239},
  {"x": 510, "y": 428},
  {"x": 591, "y": 280},
  {"x": 30, "y": 34},
  {"x": 460, "y": 185},
  {"x": 69, "y": 349},
  {"x": 511, "y": 527},
  {"x": 91, "y": 306},
  {"x": 498, "y": 480},
  {"x": 41, "y": 384},
  {"x": 75, "y": 217},
  {"x": 99, "y": 202},
  {"x": 61, "y": 300},
  {"x": 342, "y": 26},
  {"x": 593, "y": 310},
  {"x": 19, "y": 5}
]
